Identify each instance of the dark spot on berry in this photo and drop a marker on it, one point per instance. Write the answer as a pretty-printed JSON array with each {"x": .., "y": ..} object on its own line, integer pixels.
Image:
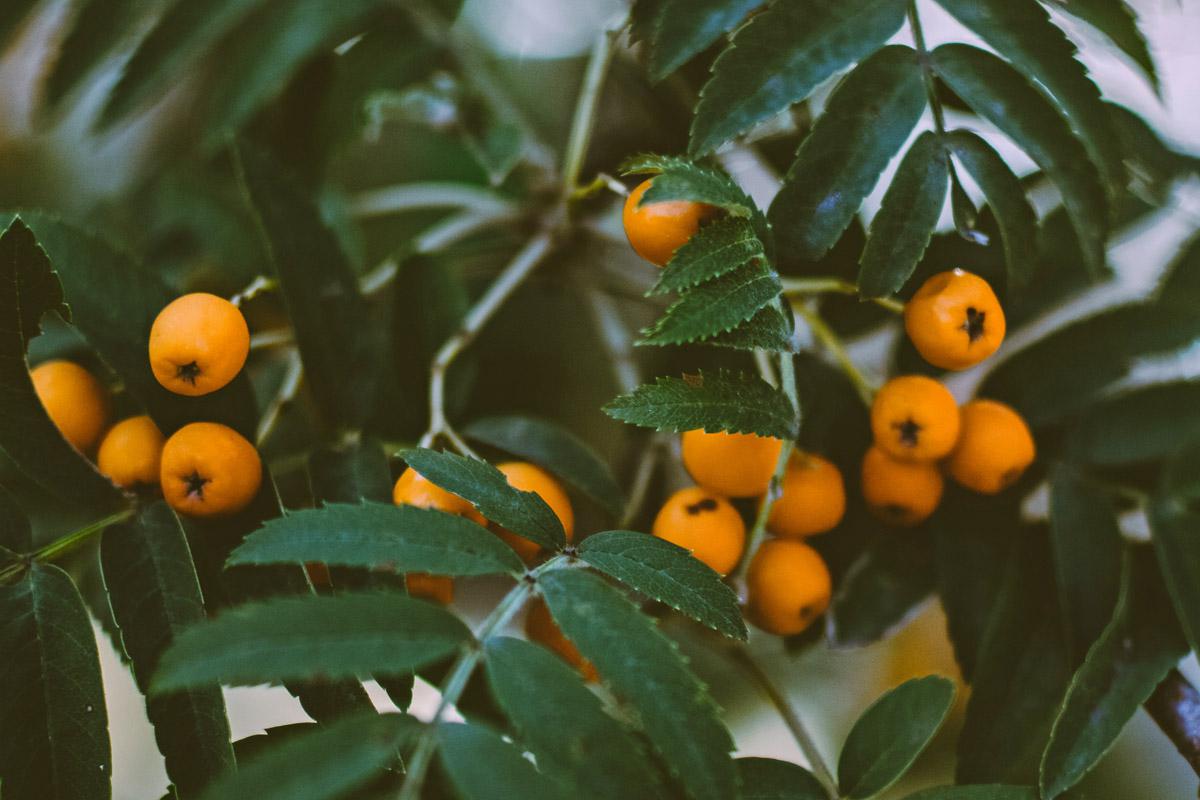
[
  {"x": 806, "y": 612},
  {"x": 973, "y": 324},
  {"x": 707, "y": 504},
  {"x": 195, "y": 485},
  {"x": 188, "y": 372},
  {"x": 909, "y": 432}
]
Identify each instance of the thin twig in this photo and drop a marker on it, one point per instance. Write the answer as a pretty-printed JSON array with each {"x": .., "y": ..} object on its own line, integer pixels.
[
  {"x": 642, "y": 478},
  {"x": 411, "y": 196},
  {"x": 273, "y": 338},
  {"x": 807, "y": 286},
  {"x": 260, "y": 284},
  {"x": 935, "y": 104},
  {"x": 833, "y": 344},
  {"x": 1175, "y": 708},
  {"x": 286, "y": 393},
  {"x": 65, "y": 544},
  {"x": 584, "y": 120}
]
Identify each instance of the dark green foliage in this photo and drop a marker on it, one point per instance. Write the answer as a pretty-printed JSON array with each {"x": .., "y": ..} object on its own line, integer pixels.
[
  {"x": 768, "y": 779},
  {"x": 883, "y": 587}
]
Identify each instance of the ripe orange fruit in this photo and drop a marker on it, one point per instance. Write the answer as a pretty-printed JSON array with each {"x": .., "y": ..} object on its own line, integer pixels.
[
  {"x": 914, "y": 418},
  {"x": 541, "y": 628},
  {"x": 955, "y": 320},
  {"x": 787, "y": 587},
  {"x": 656, "y": 230},
  {"x": 705, "y": 524},
  {"x": 813, "y": 499},
  {"x": 994, "y": 449},
  {"x": 75, "y": 401},
  {"x": 436, "y": 588},
  {"x": 732, "y": 464},
  {"x": 209, "y": 470},
  {"x": 198, "y": 343},
  {"x": 414, "y": 489},
  {"x": 131, "y": 452},
  {"x": 900, "y": 492},
  {"x": 529, "y": 478}
]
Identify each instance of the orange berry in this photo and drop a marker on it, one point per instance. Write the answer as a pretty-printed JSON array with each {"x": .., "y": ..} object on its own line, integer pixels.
[
  {"x": 705, "y": 524},
  {"x": 75, "y": 401},
  {"x": 414, "y": 489},
  {"x": 813, "y": 499},
  {"x": 994, "y": 449},
  {"x": 955, "y": 320},
  {"x": 131, "y": 452},
  {"x": 914, "y": 418},
  {"x": 900, "y": 492},
  {"x": 541, "y": 628},
  {"x": 436, "y": 588},
  {"x": 732, "y": 464},
  {"x": 656, "y": 230},
  {"x": 529, "y": 478},
  {"x": 209, "y": 470},
  {"x": 787, "y": 587},
  {"x": 198, "y": 343}
]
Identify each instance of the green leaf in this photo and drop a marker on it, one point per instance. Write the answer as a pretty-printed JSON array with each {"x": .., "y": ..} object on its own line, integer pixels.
[
  {"x": 29, "y": 287},
  {"x": 376, "y": 536},
  {"x": 669, "y": 574},
  {"x": 557, "y": 449},
  {"x": 1116, "y": 20},
  {"x": 563, "y": 723},
  {"x": 900, "y": 231},
  {"x": 680, "y": 179},
  {"x": 341, "y": 636},
  {"x": 1139, "y": 425},
  {"x": 16, "y": 535},
  {"x": 155, "y": 595},
  {"x": 895, "y": 574},
  {"x": 993, "y": 791},
  {"x": 866, "y": 121},
  {"x": 718, "y": 248},
  {"x": 1141, "y": 644},
  {"x": 1006, "y": 197},
  {"x": 643, "y": 666},
  {"x": 1021, "y": 31},
  {"x": 339, "y": 345},
  {"x": 780, "y": 57},
  {"x": 321, "y": 763},
  {"x": 766, "y": 330},
  {"x": 890, "y": 735},
  {"x": 715, "y": 401},
  {"x": 1004, "y": 97},
  {"x": 717, "y": 306},
  {"x": 483, "y": 766},
  {"x": 55, "y": 745},
  {"x": 524, "y": 513},
  {"x": 683, "y": 28},
  {"x": 1086, "y": 543},
  {"x": 1174, "y": 522},
  {"x": 98, "y": 28},
  {"x": 768, "y": 779}
]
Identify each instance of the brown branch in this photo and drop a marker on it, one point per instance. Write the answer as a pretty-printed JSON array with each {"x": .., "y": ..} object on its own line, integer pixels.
[{"x": 1175, "y": 707}]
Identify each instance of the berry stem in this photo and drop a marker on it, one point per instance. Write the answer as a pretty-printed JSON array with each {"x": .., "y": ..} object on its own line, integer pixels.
[
  {"x": 65, "y": 544},
  {"x": 833, "y": 343},
  {"x": 806, "y": 286}
]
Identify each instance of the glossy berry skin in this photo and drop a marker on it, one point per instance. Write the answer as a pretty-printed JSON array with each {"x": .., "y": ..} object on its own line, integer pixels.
[
  {"x": 994, "y": 449},
  {"x": 530, "y": 478},
  {"x": 75, "y": 401},
  {"x": 656, "y": 230},
  {"x": 435, "y": 588},
  {"x": 198, "y": 344},
  {"x": 131, "y": 453},
  {"x": 955, "y": 320},
  {"x": 732, "y": 464},
  {"x": 209, "y": 470},
  {"x": 914, "y": 418},
  {"x": 813, "y": 499},
  {"x": 414, "y": 489},
  {"x": 898, "y": 492},
  {"x": 705, "y": 524},
  {"x": 541, "y": 628},
  {"x": 787, "y": 587}
]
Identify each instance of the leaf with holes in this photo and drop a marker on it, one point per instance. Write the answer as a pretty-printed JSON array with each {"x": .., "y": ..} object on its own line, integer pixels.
[
  {"x": 718, "y": 248},
  {"x": 716, "y": 307}
]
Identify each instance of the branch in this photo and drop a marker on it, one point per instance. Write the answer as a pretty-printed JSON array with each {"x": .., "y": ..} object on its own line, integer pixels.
[
  {"x": 802, "y": 286},
  {"x": 1175, "y": 708},
  {"x": 833, "y": 344},
  {"x": 65, "y": 544}
]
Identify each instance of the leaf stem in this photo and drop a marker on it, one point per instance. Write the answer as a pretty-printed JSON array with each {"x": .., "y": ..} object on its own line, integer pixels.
[
  {"x": 584, "y": 120},
  {"x": 804, "y": 286},
  {"x": 833, "y": 343},
  {"x": 66, "y": 544},
  {"x": 935, "y": 104},
  {"x": 412, "y": 196}
]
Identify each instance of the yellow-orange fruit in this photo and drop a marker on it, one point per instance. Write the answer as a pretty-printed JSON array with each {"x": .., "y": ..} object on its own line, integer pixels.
[
  {"x": 915, "y": 418},
  {"x": 209, "y": 470},
  {"x": 732, "y": 464},
  {"x": 955, "y": 320},
  {"x": 131, "y": 452},
  {"x": 704, "y": 523},
  {"x": 900, "y": 492},
  {"x": 787, "y": 586},
  {"x": 437, "y": 588},
  {"x": 198, "y": 343},
  {"x": 414, "y": 489},
  {"x": 994, "y": 448},
  {"x": 657, "y": 230},
  {"x": 529, "y": 478},
  {"x": 75, "y": 401},
  {"x": 813, "y": 499},
  {"x": 541, "y": 628}
]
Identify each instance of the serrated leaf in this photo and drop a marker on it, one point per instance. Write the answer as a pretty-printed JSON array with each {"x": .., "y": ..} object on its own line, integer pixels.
[
  {"x": 51, "y": 698},
  {"x": 1086, "y": 545},
  {"x": 681, "y": 179},
  {"x": 483, "y": 766},
  {"x": 1137, "y": 649},
  {"x": 1004, "y": 97},
  {"x": 1139, "y": 425},
  {"x": 718, "y": 248},
  {"x": 766, "y": 330},
  {"x": 523, "y": 513},
  {"x": 1116, "y": 20},
  {"x": 717, "y": 306},
  {"x": 1006, "y": 197},
  {"x": 342, "y": 636},
  {"x": 29, "y": 287},
  {"x": 557, "y": 449},
  {"x": 868, "y": 118},
  {"x": 669, "y": 574},
  {"x": 991, "y": 791},
  {"x": 681, "y": 29},
  {"x": 900, "y": 231},
  {"x": 780, "y": 57},
  {"x": 768, "y": 779},
  {"x": 1021, "y": 31},
  {"x": 889, "y": 736},
  {"x": 154, "y": 594},
  {"x": 377, "y": 536},
  {"x": 98, "y": 28},
  {"x": 643, "y": 666},
  {"x": 895, "y": 574},
  {"x": 715, "y": 401},
  {"x": 563, "y": 723},
  {"x": 320, "y": 763}
]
